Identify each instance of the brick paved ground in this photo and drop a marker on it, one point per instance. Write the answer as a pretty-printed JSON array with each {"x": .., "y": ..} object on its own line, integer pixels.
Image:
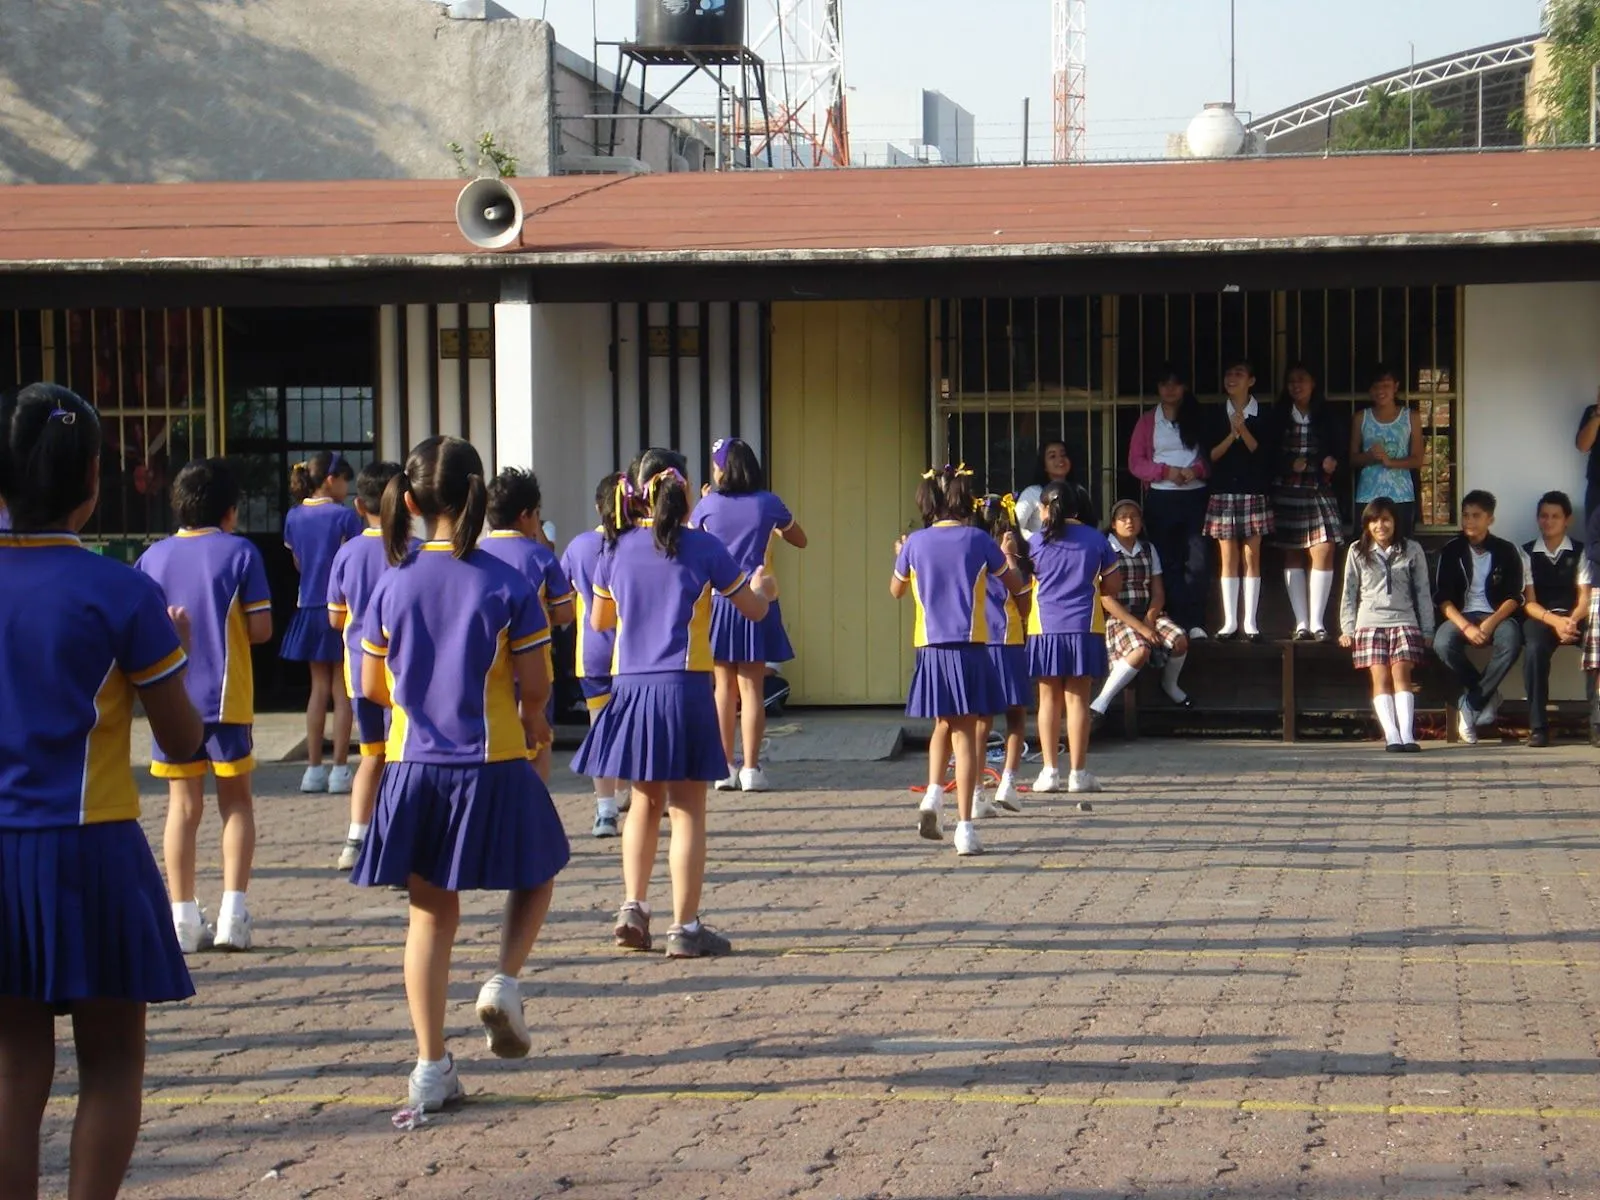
[{"x": 1254, "y": 970}]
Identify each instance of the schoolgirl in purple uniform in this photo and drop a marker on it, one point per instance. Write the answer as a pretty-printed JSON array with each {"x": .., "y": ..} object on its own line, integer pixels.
[
  {"x": 595, "y": 647},
  {"x": 314, "y": 530},
  {"x": 1072, "y": 566},
  {"x": 654, "y": 587},
  {"x": 451, "y": 637},
  {"x": 740, "y": 513},
  {"x": 515, "y": 530},
  {"x": 1007, "y": 649},
  {"x": 357, "y": 567},
  {"x": 220, "y": 580},
  {"x": 84, "y": 926},
  {"x": 946, "y": 567}
]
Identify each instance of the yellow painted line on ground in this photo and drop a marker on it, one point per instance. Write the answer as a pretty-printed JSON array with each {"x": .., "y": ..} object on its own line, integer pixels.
[{"x": 913, "y": 1096}]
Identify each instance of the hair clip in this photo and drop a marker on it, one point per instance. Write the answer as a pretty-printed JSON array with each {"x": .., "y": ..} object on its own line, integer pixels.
[
  {"x": 655, "y": 481},
  {"x": 931, "y": 473},
  {"x": 65, "y": 415},
  {"x": 960, "y": 472},
  {"x": 1009, "y": 503}
]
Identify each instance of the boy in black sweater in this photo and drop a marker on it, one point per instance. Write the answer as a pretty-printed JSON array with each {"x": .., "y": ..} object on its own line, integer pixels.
[{"x": 1478, "y": 590}]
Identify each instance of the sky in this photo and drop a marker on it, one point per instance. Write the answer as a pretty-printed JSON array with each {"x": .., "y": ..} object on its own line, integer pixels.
[{"x": 1152, "y": 64}]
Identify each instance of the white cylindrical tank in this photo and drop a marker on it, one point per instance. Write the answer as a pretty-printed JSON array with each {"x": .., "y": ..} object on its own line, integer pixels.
[{"x": 1215, "y": 133}]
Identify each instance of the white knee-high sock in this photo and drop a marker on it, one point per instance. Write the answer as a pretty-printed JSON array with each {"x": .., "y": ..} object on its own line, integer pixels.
[
  {"x": 1169, "y": 678},
  {"x": 1252, "y": 603},
  {"x": 1230, "y": 604},
  {"x": 1405, "y": 713},
  {"x": 1385, "y": 708},
  {"x": 1120, "y": 677},
  {"x": 1321, "y": 589},
  {"x": 1294, "y": 582}
]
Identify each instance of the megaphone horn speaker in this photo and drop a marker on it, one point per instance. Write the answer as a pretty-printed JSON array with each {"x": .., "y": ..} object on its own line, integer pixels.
[{"x": 489, "y": 214}]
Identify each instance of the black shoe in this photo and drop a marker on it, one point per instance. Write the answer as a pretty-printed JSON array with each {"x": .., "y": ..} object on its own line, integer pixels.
[
  {"x": 1410, "y": 748},
  {"x": 1303, "y": 635},
  {"x": 1538, "y": 738},
  {"x": 1219, "y": 636},
  {"x": 1255, "y": 639},
  {"x": 1395, "y": 748},
  {"x": 1322, "y": 635},
  {"x": 1594, "y": 735},
  {"x": 1096, "y": 720}
]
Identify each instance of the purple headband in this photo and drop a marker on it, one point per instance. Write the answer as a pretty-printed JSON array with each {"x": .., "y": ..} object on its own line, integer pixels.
[{"x": 719, "y": 452}]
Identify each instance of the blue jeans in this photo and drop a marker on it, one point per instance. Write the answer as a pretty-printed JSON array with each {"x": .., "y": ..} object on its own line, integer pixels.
[
  {"x": 1173, "y": 522},
  {"x": 1451, "y": 645}
]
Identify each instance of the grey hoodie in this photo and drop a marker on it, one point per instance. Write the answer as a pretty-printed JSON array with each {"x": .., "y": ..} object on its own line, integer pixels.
[{"x": 1385, "y": 590}]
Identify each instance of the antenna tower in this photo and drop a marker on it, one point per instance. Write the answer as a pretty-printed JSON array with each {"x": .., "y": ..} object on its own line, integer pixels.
[
  {"x": 802, "y": 43},
  {"x": 1068, "y": 63}
]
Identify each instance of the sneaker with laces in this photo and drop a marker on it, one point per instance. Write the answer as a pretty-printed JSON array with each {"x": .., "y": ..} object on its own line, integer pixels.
[
  {"x": 1049, "y": 781},
  {"x": 195, "y": 937},
  {"x": 633, "y": 927},
  {"x": 703, "y": 942},
  {"x": 1007, "y": 796},
  {"x": 752, "y": 779},
  {"x": 930, "y": 815},
  {"x": 605, "y": 825},
  {"x": 341, "y": 779},
  {"x": 233, "y": 932},
  {"x": 434, "y": 1085},
  {"x": 730, "y": 784},
  {"x": 982, "y": 807},
  {"x": 1467, "y": 722},
  {"x": 625, "y": 801},
  {"x": 1491, "y": 711},
  {"x": 314, "y": 780},
  {"x": 500, "y": 1010},
  {"x": 1082, "y": 781},
  {"x": 967, "y": 840},
  {"x": 351, "y": 854}
]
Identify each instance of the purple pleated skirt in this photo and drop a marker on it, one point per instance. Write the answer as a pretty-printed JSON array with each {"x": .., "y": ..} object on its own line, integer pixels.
[
  {"x": 1066, "y": 655},
  {"x": 1011, "y": 667},
  {"x": 954, "y": 681},
  {"x": 656, "y": 728},
  {"x": 310, "y": 638},
  {"x": 735, "y": 638},
  {"x": 489, "y": 827},
  {"x": 84, "y": 916}
]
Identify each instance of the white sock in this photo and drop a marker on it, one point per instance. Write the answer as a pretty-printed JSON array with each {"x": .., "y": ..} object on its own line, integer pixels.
[
  {"x": 1121, "y": 676},
  {"x": 963, "y": 826},
  {"x": 1384, "y": 706},
  {"x": 642, "y": 905},
  {"x": 358, "y": 833},
  {"x": 233, "y": 905},
  {"x": 1321, "y": 589},
  {"x": 1230, "y": 604},
  {"x": 933, "y": 797},
  {"x": 1252, "y": 602},
  {"x": 692, "y": 926},
  {"x": 186, "y": 912},
  {"x": 1294, "y": 582},
  {"x": 1169, "y": 678},
  {"x": 605, "y": 806},
  {"x": 1006, "y": 778},
  {"x": 1405, "y": 713}
]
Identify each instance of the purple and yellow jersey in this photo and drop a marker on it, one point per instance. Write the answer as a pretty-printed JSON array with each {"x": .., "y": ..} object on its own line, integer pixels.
[
  {"x": 1005, "y": 618},
  {"x": 664, "y": 604},
  {"x": 447, "y": 629},
  {"x": 536, "y": 562},
  {"x": 82, "y": 632},
  {"x": 313, "y": 531},
  {"x": 220, "y": 580},
  {"x": 948, "y": 566},
  {"x": 357, "y": 567},
  {"x": 1066, "y": 580},
  {"x": 744, "y": 524},
  {"x": 578, "y": 564}
]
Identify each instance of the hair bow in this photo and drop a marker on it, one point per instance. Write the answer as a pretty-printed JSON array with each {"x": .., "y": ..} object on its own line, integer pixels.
[
  {"x": 1009, "y": 503},
  {"x": 624, "y": 494},
  {"x": 959, "y": 472},
  {"x": 655, "y": 482}
]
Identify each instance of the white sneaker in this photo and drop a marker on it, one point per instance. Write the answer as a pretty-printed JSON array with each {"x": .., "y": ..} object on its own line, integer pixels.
[
  {"x": 625, "y": 801},
  {"x": 434, "y": 1085},
  {"x": 930, "y": 816},
  {"x": 500, "y": 1010},
  {"x": 752, "y": 779},
  {"x": 350, "y": 855},
  {"x": 1082, "y": 781},
  {"x": 1467, "y": 722},
  {"x": 340, "y": 779},
  {"x": 233, "y": 933},
  {"x": 1007, "y": 796},
  {"x": 730, "y": 784},
  {"x": 1491, "y": 711},
  {"x": 314, "y": 780},
  {"x": 605, "y": 826},
  {"x": 982, "y": 807},
  {"x": 195, "y": 936},
  {"x": 1198, "y": 635},
  {"x": 967, "y": 840},
  {"x": 1049, "y": 781}
]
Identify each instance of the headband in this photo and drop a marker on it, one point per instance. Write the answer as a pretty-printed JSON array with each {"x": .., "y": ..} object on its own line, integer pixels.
[
  {"x": 1122, "y": 504},
  {"x": 719, "y": 452}
]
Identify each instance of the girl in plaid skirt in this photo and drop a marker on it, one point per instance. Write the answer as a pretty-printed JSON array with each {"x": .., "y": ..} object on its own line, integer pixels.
[
  {"x": 1243, "y": 445},
  {"x": 1309, "y": 527},
  {"x": 1138, "y": 630},
  {"x": 1386, "y": 617}
]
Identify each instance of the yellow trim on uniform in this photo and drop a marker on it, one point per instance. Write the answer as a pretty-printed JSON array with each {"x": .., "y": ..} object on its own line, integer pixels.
[
  {"x": 238, "y": 669},
  {"x": 602, "y": 592},
  {"x": 919, "y": 625},
  {"x": 335, "y": 607},
  {"x": 374, "y": 749},
  {"x": 198, "y": 531},
  {"x": 532, "y": 642},
  {"x": 156, "y": 673},
  {"x": 109, "y": 793},
  {"x": 189, "y": 770},
  {"x": 980, "y": 608},
  {"x": 447, "y": 546},
  {"x": 313, "y": 501},
  {"x": 375, "y": 651},
  {"x": 736, "y": 584},
  {"x": 234, "y": 769},
  {"x": 260, "y": 606},
  {"x": 595, "y": 703},
  {"x": 33, "y": 541},
  {"x": 580, "y": 623},
  {"x": 372, "y": 531},
  {"x": 699, "y": 656},
  {"x": 504, "y": 737}
]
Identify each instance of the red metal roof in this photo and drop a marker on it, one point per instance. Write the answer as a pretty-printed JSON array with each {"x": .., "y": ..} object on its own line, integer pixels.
[{"x": 905, "y": 212}]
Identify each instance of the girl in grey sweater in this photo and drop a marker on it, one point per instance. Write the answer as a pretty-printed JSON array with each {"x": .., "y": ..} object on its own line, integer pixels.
[{"x": 1386, "y": 617}]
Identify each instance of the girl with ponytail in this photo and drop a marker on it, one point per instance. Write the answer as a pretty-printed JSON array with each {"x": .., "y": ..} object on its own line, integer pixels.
[
  {"x": 659, "y": 729},
  {"x": 452, "y": 638}
]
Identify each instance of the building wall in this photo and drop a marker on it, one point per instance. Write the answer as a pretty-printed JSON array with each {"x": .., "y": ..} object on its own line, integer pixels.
[
  {"x": 131, "y": 91},
  {"x": 849, "y": 441}
]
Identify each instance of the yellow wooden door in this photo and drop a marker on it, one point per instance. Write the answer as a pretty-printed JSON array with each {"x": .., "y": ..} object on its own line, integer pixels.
[{"x": 849, "y": 436}]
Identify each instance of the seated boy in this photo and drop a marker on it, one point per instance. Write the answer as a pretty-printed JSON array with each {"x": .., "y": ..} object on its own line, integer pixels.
[{"x": 1554, "y": 603}]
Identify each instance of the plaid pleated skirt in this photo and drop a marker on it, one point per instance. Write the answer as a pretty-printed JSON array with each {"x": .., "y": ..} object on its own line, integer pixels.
[
  {"x": 1124, "y": 641},
  {"x": 1303, "y": 517},
  {"x": 1231, "y": 517},
  {"x": 1591, "y": 634},
  {"x": 1382, "y": 645}
]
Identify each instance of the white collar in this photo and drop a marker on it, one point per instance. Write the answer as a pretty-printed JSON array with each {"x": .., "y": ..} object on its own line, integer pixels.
[
  {"x": 1299, "y": 418},
  {"x": 1564, "y": 548},
  {"x": 1250, "y": 410},
  {"x": 1116, "y": 544}
]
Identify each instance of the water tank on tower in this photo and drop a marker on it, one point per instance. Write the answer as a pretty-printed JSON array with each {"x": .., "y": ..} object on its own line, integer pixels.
[
  {"x": 1216, "y": 133},
  {"x": 691, "y": 22}
]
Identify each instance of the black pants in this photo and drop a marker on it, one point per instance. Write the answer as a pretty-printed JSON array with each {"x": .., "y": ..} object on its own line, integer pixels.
[
  {"x": 1173, "y": 522},
  {"x": 1539, "y": 646}
]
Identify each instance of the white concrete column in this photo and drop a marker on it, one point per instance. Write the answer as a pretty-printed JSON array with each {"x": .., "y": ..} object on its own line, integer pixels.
[{"x": 514, "y": 384}]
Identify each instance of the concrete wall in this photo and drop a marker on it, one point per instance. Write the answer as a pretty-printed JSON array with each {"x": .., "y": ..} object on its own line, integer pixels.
[{"x": 162, "y": 90}]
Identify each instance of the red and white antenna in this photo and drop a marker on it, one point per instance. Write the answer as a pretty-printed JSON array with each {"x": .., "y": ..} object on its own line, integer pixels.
[{"x": 1068, "y": 64}]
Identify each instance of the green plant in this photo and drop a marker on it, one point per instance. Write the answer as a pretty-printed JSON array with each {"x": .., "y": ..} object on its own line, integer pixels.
[
  {"x": 1573, "y": 30},
  {"x": 1390, "y": 121},
  {"x": 489, "y": 153}
]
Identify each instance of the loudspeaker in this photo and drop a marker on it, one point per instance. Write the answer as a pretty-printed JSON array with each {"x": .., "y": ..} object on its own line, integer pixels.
[{"x": 489, "y": 214}]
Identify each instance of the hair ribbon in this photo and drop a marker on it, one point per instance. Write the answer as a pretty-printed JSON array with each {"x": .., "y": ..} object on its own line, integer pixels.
[
  {"x": 1009, "y": 503},
  {"x": 624, "y": 493},
  {"x": 669, "y": 473}
]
